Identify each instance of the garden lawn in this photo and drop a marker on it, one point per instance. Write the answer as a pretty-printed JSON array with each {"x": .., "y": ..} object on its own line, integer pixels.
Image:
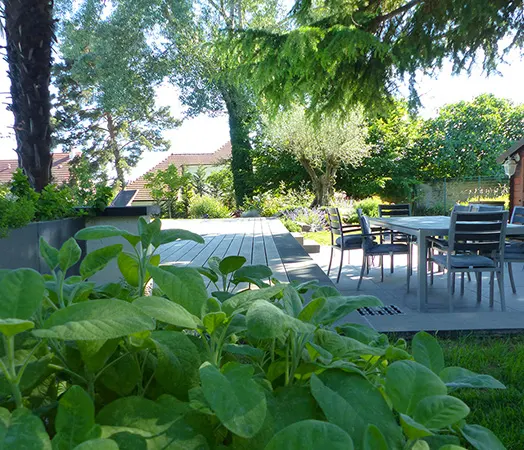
[
  {"x": 321, "y": 237},
  {"x": 502, "y": 411}
]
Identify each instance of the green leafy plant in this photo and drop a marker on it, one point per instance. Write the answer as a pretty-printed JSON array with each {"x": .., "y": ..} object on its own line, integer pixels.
[
  {"x": 204, "y": 206},
  {"x": 260, "y": 368}
]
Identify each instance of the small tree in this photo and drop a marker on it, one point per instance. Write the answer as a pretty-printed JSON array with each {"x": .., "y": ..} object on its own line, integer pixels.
[
  {"x": 199, "y": 181},
  {"x": 220, "y": 184},
  {"x": 321, "y": 147},
  {"x": 165, "y": 186}
]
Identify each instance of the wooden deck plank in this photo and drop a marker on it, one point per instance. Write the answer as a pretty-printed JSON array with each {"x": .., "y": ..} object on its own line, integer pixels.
[
  {"x": 178, "y": 252},
  {"x": 201, "y": 259},
  {"x": 259, "y": 251},
  {"x": 273, "y": 257},
  {"x": 185, "y": 258},
  {"x": 246, "y": 249}
]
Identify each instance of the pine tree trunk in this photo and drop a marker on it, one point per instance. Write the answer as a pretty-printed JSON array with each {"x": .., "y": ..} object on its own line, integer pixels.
[
  {"x": 113, "y": 142},
  {"x": 241, "y": 164},
  {"x": 29, "y": 31}
]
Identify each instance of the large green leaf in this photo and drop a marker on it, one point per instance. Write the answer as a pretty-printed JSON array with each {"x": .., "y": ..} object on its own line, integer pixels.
[
  {"x": 213, "y": 320},
  {"x": 440, "y": 411},
  {"x": 75, "y": 420},
  {"x": 352, "y": 402},
  {"x": 148, "y": 230},
  {"x": 374, "y": 439},
  {"x": 22, "y": 430},
  {"x": 167, "y": 236},
  {"x": 427, "y": 351},
  {"x": 112, "y": 377},
  {"x": 362, "y": 333},
  {"x": 98, "y": 444},
  {"x": 96, "y": 260},
  {"x": 10, "y": 327},
  {"x": 128, "y": 266},
  {"x": 342, "y": 346},
  {"x": 22, "y": 292},
  {"x": 311, "y": 435},
  {"x": 135, "y": 421},
  {"x": 183, "y": 285},
  {"x": 34, "y": 374},
  {"x": 178, "y": 362},
  {"x": 266, "y": 321},
  {"x": 338, "y": 307},
  {"x": 254, "y": 272},
  {"x": 240, "y": 303},
  {"x": 69, "y": 254},
  {"x": 412, "y": 428},
  {"x": 457, "y": 377},
  {"x": 408, "y": 382},
  {"x": 231, "y": 263},
  {"x": 291, "y": 301},
  {"x": 481, "y": 438},
  {"x": 95, "y": 354},
  {"x": 311, "y": 309},
  {"x": 236, "y": 399},
  {"x": 105, "y": 231},
  {"x": 96, "y": 320},
  {"x": 166, "y": 311},
  {"x": 49, "y": 254}
]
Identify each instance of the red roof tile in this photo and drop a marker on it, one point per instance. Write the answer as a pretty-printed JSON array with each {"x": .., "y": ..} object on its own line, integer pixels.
[
  {"x": 179, "y": 160},
  {"x": 59, "y": 169}
]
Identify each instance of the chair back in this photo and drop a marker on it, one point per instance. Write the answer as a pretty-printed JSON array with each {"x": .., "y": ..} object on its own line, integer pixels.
[
  {"x": 478, "y": 233},
  {"x": 366, "y": 230},
  {"x": 400, "y": 210},
  {"x": 518, "y": 215},
  {"x": 335, "y": 224},
  {"x": 461, "y": 208},
  {"x": 480, "y": 207}
]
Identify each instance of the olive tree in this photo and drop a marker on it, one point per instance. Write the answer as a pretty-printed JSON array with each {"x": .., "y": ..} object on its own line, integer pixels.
[{"x": 321, "y": 146}]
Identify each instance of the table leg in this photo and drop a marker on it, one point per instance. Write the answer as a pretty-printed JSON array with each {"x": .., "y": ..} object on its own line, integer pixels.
[{"x": 421, "y": 272}]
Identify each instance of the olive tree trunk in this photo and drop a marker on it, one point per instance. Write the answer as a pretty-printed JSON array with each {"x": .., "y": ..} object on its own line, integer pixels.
[{"x": 29, "y": 31}]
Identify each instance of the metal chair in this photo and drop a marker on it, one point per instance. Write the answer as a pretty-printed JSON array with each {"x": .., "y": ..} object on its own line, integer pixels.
[
  {"x": 341, "y": 239},
  {"x": 371, "y": 248},
  {"x": 481, "y": 207},
  {"x": 476, "y": 244},
  {"x": 395, "y": 237},
  {"x": 514, "y": 251}
]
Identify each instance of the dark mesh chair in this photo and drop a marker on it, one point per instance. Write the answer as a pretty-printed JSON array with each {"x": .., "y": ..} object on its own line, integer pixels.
[
  {"x": 341, "y": 237},
  {"x": 371, "y": 248},
  {"x": 514, "y": 252},
  {"x": 476, "y": 244}
]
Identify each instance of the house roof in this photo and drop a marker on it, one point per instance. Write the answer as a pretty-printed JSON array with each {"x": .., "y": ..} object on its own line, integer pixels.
[
  {"x": 511, "y": 151},
  {"x": 179, "y": 160},
  {"x": 59, "y": 169}
]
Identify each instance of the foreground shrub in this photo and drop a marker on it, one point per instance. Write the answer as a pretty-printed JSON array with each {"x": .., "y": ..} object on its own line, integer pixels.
[
  {"x": 277, "y": 201},
  {"x": 369, "y": 208},
  {"x": 14, "y": 212},
  {"x": 105, "y": 367},
  {"x": 209, "y": 207}
]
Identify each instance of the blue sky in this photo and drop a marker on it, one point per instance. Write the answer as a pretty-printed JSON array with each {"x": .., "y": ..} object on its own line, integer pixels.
[{"x": 206, "y": 134}]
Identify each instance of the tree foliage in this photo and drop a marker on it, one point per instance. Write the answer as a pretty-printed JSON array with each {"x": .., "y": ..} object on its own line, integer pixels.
[
  {"x": 320, "y": 147},
  {"x": 336, "y": 54},
  {"x": 105, "y": 104},
  {"x": 166, "y": 186}
]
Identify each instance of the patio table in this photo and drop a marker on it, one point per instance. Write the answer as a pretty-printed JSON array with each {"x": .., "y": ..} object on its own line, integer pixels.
[{"x": 423, "y": 227}]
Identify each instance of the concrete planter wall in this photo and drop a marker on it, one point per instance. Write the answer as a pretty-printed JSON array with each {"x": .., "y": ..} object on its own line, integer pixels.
[{"x": 21, "y": 249}]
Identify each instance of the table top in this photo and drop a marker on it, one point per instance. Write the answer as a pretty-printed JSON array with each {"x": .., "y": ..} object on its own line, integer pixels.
[{"x": 428, "y": 225}]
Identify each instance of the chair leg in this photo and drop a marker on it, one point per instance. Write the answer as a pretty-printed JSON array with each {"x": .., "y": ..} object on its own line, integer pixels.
[
  {"x": 469, "y": 277},
  {"x": 450, "y": 290},
  {"x": 381, "y": 262},
  {"x": 392, "y": 268},
  {"x": 462, "y": 276},
  {"x": 365, "y": 262},
  {"x": 491, "y": 289},
  {"x": 431, "y": 273},
  {"x": 349, "y": 256},
  {"x": 330, "y": 261},
  {"x": 478, "y": 275},
  {"x": 367, "y": 265},
  {"x": 512, "y": 281},
  {"x": 409, "y": 268},
  {"x": 500, "y": 279},
  {"x": 453, "y": 284},
  {"x": 341, "y": 264}
]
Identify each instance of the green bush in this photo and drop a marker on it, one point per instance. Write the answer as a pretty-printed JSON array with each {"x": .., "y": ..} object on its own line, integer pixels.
[
  {"x": 277, "y": 201},
  {"x": 369, "y": 208},
  {"x": 205, "y": 206},
  {"x": 55, "y": 202},
  {"x": 105, "y": 367},
  {"x": 14, "y": 212},
  {"x": 291, "y": 225}
]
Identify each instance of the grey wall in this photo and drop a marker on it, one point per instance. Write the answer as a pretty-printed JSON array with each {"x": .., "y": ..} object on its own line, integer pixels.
[{"x": 21, "y": 247}]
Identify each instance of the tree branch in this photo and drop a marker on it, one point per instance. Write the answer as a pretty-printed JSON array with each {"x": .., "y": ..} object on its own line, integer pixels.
[{"x": 383, "y": 18}]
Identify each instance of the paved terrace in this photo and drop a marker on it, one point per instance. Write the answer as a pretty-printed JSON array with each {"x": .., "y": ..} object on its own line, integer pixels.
[{"x": 266, "y": 241}]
